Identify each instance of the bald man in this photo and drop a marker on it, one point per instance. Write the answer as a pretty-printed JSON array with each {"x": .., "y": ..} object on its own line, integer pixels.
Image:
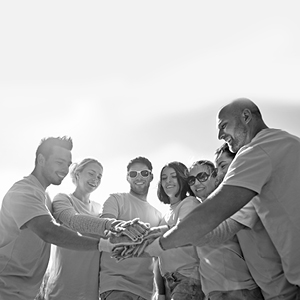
[{"x": 267, "y": 165}]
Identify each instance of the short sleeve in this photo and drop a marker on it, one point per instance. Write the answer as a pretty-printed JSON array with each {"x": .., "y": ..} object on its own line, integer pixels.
[
  {"x": 186, "y": 206},
  {"x": 250, "y": 169},
  {"x": 26, "y": 204},
  {"x": 60, "y": 203},
  {"x": 246, "y": 216},
  {"x": 111, "y": 206}
]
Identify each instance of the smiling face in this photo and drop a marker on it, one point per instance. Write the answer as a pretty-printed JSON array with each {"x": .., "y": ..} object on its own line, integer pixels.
[
  {"x": 170, "y": 183},
  {"x": 56, "y": 167},
  {"x": 223, "y": 162},
  {"x": 232, "y": 130},
  {"x": 89, "y": 178},
  {"x": 202, "y": 189},
  {"x": 139, "y": 185}
]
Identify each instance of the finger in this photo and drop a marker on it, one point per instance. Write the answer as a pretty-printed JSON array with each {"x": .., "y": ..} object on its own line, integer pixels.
[
  {"x": 132, "y": 229},
  {"x": 146, "y": 226},
  {"x": 142, "y": 248},
  {"x": 141, "y": 228},
  {"x": 134, "y": 236},
  {"x": 123, "y": 239}
]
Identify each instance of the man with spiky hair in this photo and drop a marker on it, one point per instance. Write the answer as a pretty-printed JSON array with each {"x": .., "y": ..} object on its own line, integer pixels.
[{"x": 27, "y": 228}]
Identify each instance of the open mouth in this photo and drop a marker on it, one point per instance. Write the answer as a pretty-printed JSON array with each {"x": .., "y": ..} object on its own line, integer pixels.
[
  {"x": 199, "y": 190},
  {"x": 140, "y": 183},
  {"x": 61, "y": 175}
]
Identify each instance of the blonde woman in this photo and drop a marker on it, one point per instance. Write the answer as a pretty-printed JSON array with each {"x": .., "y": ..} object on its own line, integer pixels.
[{"x": 74, "y": 274}]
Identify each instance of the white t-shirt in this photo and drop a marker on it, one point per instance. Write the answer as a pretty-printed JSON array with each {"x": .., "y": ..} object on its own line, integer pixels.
[
  {"x": 133, "y": 274},
  {"x": 262, "y": 257},
  {"x": 223, "y": 268},
  {"x": 23, "y": 255},
  {"x": 74, "y": 274},
  {"x": 183, "y": 259},
  {"x": 270, "y": 166}
]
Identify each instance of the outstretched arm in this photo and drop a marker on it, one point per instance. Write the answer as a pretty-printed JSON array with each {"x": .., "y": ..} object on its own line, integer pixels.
[
  {"x": 51, "y": 232},
  {"x": 226, "y": 230},
  {"x": 220, "y": 205}
]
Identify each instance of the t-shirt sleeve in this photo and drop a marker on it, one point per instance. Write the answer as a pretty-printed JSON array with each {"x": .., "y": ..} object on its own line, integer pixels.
[
  {"x": 251, "y": 169},
  {"x": 246, "y": 215},
  {"x": 61, "y": 202},
  {"x": 27, "y": 204},
  {"x": 111, "y": 206},
  {"x": 186, "y": 206},
  {"x": 66, "y": 214}
]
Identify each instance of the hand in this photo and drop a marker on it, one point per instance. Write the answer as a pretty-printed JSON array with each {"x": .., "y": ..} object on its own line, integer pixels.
[
  {"x": 114, "y": 225},
  {"x": 121, "y": 239},
  {"x": 155, "y": 232},
  {"x": 136, "y": 249},
  {"x": 105, "y": 245},
  {"x": 134, "y": 229},
  {"x": 154, "y": 249}
]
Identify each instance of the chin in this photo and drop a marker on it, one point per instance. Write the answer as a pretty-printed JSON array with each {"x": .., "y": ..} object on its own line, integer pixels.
[{"x": 57, "y": 182}]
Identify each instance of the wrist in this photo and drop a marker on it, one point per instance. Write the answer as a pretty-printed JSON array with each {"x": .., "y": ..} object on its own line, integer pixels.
[{"x": 104, "y": 245}]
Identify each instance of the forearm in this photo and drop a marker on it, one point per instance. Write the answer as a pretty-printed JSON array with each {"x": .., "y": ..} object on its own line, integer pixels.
[
  {"x": 219, "y": 206},
  {"x": 221, "y": 234},
  {"x": 51, "y": 232},
  {"x": 69, "y": 239},
  {"x": 83, "y": 223}
]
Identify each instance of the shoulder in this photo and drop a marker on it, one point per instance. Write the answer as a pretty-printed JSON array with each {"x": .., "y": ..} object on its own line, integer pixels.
[
  {"x": 117, "y": 197},
  {"x": 26, "y": 188},
  {"x": 61, "y": 196},
  {"x": 187, "y": 204},
  {"x": 189, "y": 201}
]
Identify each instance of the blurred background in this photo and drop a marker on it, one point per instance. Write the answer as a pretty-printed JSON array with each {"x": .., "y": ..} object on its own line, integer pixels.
[{"x": 139, "y": 78}]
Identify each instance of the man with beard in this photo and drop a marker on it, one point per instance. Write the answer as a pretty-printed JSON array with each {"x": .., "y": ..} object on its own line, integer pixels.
[
  {"x": 131, "y": 278},
  {"x": 27, "y": 227},
  {"x": 267, "y": 165}
]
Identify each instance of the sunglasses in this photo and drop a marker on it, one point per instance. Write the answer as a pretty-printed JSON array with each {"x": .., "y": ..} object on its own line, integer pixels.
[
  {"x": 134, "y": 174},
  {"x": 201, "y": 177}
]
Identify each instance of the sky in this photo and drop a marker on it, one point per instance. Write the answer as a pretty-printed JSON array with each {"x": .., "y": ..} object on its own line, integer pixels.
[{"x": 139, "y": 78}]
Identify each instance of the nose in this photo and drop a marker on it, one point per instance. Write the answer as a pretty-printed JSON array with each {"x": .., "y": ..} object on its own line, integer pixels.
[
  {"x": 220, "y": 134},
  {"x": 65, "y": 168},
  {"x": 197, "y": 182},
  {"x": 139, "y": 175}
]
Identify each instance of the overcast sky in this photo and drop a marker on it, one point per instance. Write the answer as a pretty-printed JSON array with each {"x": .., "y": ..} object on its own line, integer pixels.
[{"x": 131, "y": 78}]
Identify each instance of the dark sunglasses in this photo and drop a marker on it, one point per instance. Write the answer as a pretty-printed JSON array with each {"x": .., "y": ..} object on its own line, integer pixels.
[
  {"x": 144, "y": 173},
  {"x": 201, "y": 177}
]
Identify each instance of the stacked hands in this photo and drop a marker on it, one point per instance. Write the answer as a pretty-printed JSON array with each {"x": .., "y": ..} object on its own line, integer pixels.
[{"x": 130, "y": 238}]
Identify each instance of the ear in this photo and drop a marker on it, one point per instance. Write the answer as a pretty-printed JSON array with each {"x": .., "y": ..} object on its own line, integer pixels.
[
  {"x": 41, "y": 160},
  {"x": 151, "y": 177},
  {"x": 247, "y": 115}
]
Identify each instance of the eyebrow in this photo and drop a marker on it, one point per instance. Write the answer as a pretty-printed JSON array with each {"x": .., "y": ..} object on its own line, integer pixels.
[
  {"x": 63, "y": 160},
  {"x": 170, "y": 174}
]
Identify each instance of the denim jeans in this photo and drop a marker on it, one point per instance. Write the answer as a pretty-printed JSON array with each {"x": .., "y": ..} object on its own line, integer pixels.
[
  {"x": 183, "y": 288},
  {"x": 119, "y": 295},
  {"x": 254, "y": 294}
]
